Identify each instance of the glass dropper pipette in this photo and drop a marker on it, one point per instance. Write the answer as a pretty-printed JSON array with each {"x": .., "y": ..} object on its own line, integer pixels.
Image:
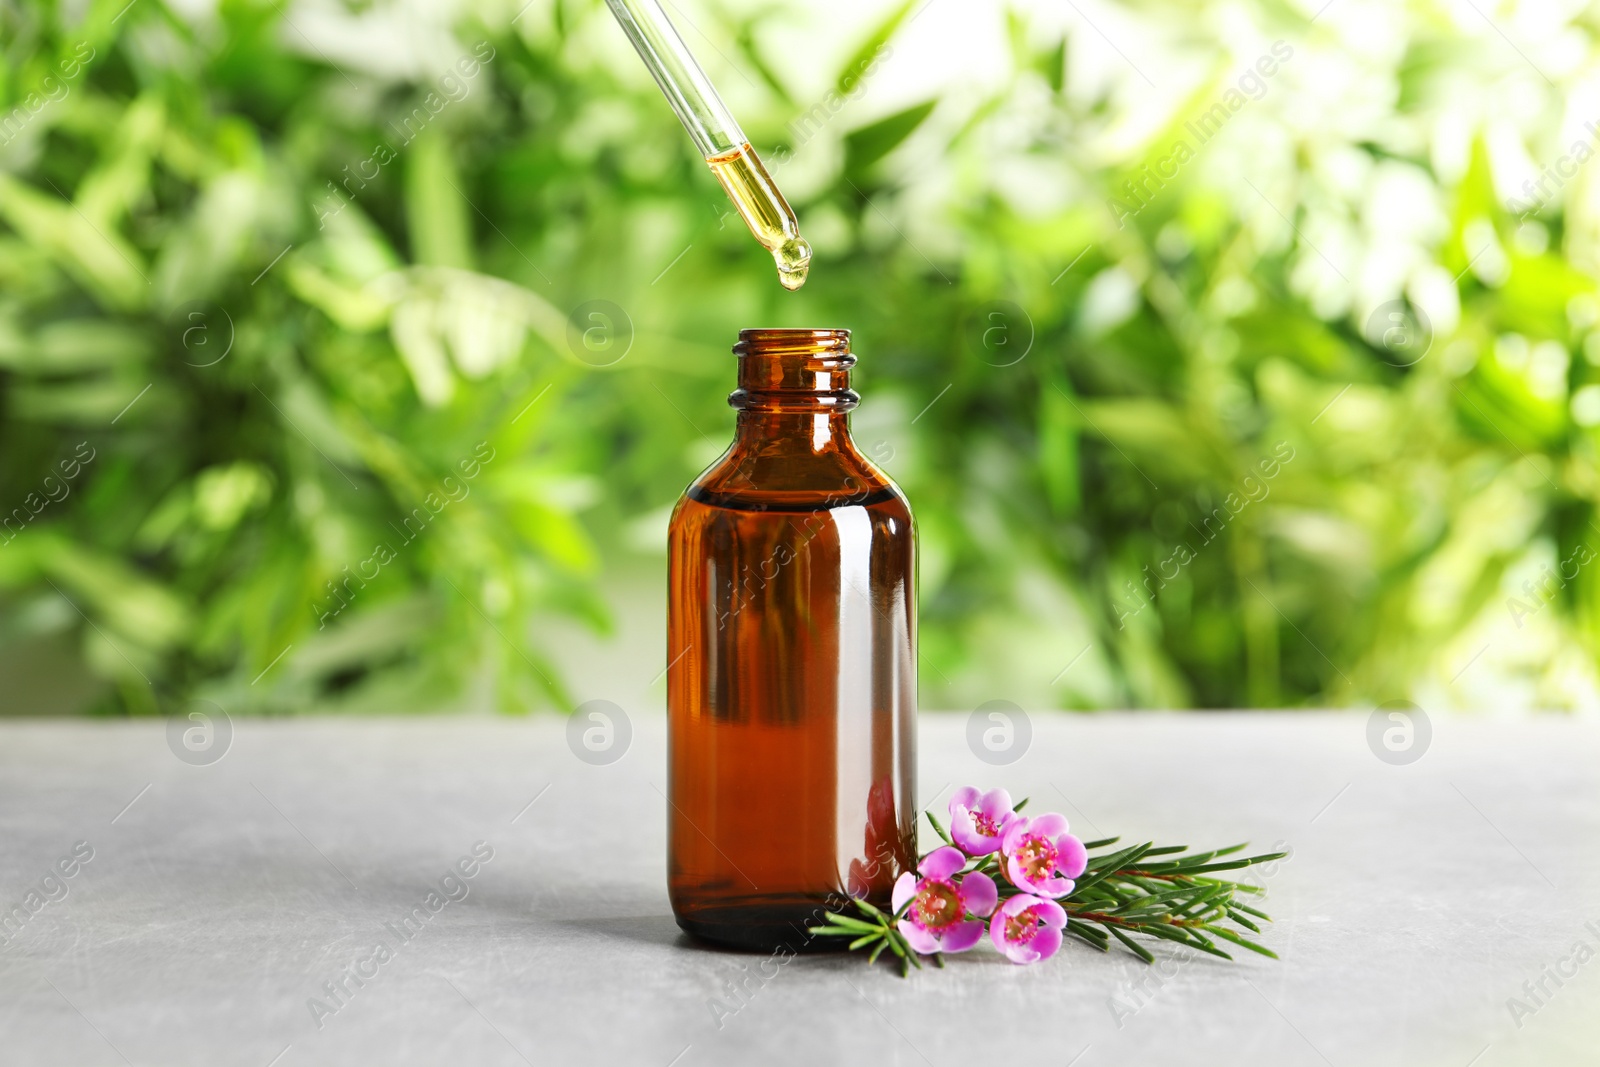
[{"x": 717, "y": 135}]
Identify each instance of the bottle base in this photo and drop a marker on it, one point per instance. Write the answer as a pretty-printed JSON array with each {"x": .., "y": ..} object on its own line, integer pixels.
[{"x": 761, "y": 926}]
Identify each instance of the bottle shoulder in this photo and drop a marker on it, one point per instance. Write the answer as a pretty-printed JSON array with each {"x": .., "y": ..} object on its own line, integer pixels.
[{"x": 747, "y": 480}]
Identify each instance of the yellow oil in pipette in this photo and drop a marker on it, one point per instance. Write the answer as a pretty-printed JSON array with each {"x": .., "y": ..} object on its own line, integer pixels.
[
  {"x": 718, "y": 137},
  {"x": 765, "y": 211}
]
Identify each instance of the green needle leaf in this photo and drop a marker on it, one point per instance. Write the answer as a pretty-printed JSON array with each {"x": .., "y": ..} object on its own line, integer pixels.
[
  {"x": 1133, "y": 946},
  {"x": 1183, "y": 937},
  {"x": 1243, "y": 942},
  {"x": 868, "y": 908},
  {"x": 1091, "y": 934},
  {"x": 1110, "y": 866},
  {"x": 1242, "y": 921}
]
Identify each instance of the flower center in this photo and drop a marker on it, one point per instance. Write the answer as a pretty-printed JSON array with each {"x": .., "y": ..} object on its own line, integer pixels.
[
  {"x": 985, "y": 825},
  {"x": 1021, "y": 927},
  {"x": 1037, "y": 856},
  {"x": 937, "y": 905}
]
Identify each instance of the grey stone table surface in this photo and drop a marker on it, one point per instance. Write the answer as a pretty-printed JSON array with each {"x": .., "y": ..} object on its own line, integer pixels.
[{"x": 208, "y": 905}]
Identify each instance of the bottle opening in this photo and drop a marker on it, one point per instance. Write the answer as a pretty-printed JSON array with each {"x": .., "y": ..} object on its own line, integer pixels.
[
  {"x": 795, "y": 370},
  {"x": 776, "y": 341}
]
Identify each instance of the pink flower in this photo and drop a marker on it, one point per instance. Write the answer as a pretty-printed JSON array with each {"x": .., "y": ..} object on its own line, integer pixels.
[
  {"x": 1027, "y": 928},
  {"x": 977, "y": 821},
  {"x": 937, "y": 920},
  {"x": 1037, "y": 850}
]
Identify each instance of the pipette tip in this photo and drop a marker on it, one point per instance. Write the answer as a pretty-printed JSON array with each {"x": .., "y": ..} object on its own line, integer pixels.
[{"x": 794, "y": 262}]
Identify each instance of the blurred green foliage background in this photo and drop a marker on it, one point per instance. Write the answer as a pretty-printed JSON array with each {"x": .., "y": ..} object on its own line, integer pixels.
[{"x": 1304, "y": 413}]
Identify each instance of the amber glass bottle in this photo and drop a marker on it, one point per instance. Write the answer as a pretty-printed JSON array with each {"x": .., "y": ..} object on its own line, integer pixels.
[{"x": 791, "y": 644}]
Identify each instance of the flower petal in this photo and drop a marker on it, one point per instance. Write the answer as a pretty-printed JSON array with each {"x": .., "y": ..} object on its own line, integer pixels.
[
  {"x": 1013, "y": 905},
  {"x": 905, "y": 887},
  {"x": 997, "y": 933},
  {"x": 1018, "y": 874},
  {"x": 1072, "y": 859},
  {"x": 1045, "y": 942},
  {"x": 961, "y": 936},
  {"x": 942, "y": 862},
  {"x": 966, "y": 835},
  {"x": 1011, "y": 831},
  {"x": 1052, "y": 887},
  {"x": 1020, "y": 953},
  {"x": 979, "y": 894},
  {"x": 996, "y": 804},
  {"x": 1051, "y": 824},
  {"x": 1049, "y": 912},
  {"x": 919, "y": 939},
  {"x": 965, "y": 797}
]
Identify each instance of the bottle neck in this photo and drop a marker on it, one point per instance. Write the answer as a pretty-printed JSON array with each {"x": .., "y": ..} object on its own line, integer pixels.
[
  {"x": 794, "y": 389},
  {"x": 815, "y": 432}
]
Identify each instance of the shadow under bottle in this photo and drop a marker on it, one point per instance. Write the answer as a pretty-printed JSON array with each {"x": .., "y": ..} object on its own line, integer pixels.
[{"x": 791, "y": 690}]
